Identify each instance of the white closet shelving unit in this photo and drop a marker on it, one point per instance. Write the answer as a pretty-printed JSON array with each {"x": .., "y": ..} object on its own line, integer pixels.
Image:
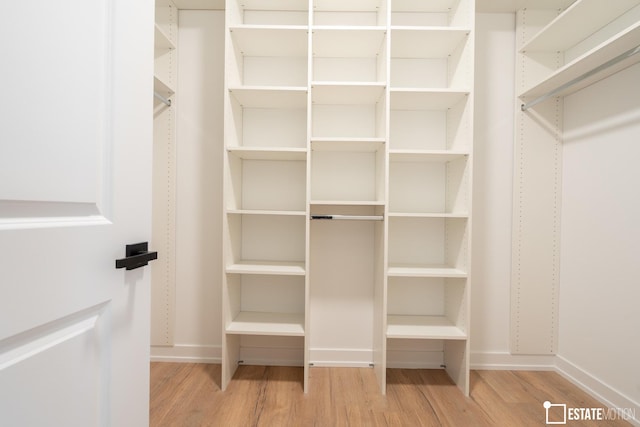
[
  {"x": 362, "y": 110},
  {"x": 164, "y": 173},
  {"x": 559, "y": 52},
  {"x": 265, "y": 175},
  {"x": 429, "y": 196}
]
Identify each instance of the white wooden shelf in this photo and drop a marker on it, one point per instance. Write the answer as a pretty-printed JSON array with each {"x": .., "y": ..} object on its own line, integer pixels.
[
  {"x": 161, "y": 40},
  {"x": 265, "y": 212},
  {"x": 347, "y": 202},
  {"x": 270, "y": 96},
  {"x": 395, "y": 214},
  {"x": 439, "y": 156},
  {"x": 258, "y": 323},
  {"x": 162, "y": 88},
  {"x": 270, "y": 40},
  {"x": 347, "y": 144},
  {"x": 425, "y": 99},
  {"x": 426, "y": 42},
  {"x": 599, "y": 55},
  {"x": 280, "y": 268},
  {"x": 423, "y": 327},
  {"x": 268, "y": 153},
  {"x": 346, "y": 93},
  {"x": 414, "y": 270},
  {"x": 576, "y": 23},
  {"x": 348, "y": 42}
]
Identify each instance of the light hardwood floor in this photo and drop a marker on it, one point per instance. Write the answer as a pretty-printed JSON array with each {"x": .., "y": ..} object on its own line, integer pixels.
[{"x": 189, "y": 395}]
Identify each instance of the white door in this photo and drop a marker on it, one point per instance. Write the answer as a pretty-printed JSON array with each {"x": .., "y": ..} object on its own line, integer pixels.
[{"x": 75, "y": 188}]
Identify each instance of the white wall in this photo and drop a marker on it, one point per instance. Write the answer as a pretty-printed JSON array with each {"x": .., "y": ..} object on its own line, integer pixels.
[
  {"x": 198, "y": 327},
  {"x": 493, "y": 168},
  {"x": 600, "y": 258}
]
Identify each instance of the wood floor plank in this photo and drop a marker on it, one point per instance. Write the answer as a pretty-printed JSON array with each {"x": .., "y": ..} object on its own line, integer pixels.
[{"x": 189, "y": 395}]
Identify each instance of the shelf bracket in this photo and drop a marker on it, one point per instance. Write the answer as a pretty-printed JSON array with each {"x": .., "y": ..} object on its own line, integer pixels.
[{"x": 559, "y": 89}]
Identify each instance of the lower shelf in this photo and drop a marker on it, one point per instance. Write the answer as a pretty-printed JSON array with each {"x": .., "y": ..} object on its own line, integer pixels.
[
  {"x": 282, "y": 268},
  {"x": 407, "y": 270},
  {"x": 423, "y": 327},
  {"x": 257, "y": 323}
]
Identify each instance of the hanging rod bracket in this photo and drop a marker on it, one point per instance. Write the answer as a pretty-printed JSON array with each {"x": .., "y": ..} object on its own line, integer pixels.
[{"x": 162, "y": 99}]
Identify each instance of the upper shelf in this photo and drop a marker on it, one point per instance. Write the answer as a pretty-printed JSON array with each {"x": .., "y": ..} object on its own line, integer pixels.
[
  {"x": 426, "y": 42},
  {"x": 598, "y": 56},
  {"x": 426, "y": 99},
  {"x": 270, "y": 97},
  {"x": 338, "y": 93},
  {"x": 576, "y": 23},
  {"x": 349, "y": 42},
  {"x": 270, "y": 40}
]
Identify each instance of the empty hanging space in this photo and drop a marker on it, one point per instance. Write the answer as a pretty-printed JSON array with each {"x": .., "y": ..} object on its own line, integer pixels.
[{"x": 346, "y": 266}]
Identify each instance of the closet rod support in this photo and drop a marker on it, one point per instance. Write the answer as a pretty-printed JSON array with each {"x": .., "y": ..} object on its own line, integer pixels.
[
  {"x": 162, "y": 99},
  {"x": 559, "y": 89}
]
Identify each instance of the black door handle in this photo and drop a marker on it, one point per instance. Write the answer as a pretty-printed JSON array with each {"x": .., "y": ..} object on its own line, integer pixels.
[{"x": 137, "y": 255}]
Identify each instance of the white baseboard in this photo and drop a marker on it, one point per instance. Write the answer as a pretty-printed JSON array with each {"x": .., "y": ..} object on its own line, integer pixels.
[
  {"x": 502, "y": 361},
  {"x": 601, "y": 391},
  {"x": 187, "y": 353}
]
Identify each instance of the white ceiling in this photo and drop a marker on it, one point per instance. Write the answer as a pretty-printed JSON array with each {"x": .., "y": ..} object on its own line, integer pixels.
[{"x": 482, "y": 6}]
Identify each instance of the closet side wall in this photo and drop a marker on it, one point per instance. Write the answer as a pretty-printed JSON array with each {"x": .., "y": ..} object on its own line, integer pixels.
[{"x": 599, "y": 345}]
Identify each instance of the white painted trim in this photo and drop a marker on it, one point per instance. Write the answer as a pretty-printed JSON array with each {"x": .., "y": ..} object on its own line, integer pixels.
[
  {"x": 601, "y": 391},
  {"x": 186, "y": 353},
  {"x": 499, "y": 361}
]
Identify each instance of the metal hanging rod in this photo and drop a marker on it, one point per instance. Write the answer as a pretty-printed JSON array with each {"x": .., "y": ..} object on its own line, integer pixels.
[
  {"x": 350, "y": 217},
  {"x": 627, "y": 54},
  {"x": 164, "y": 100}
]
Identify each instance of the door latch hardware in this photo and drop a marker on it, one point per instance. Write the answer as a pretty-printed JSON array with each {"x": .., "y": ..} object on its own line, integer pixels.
[{"x": 136, "y": 256}]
